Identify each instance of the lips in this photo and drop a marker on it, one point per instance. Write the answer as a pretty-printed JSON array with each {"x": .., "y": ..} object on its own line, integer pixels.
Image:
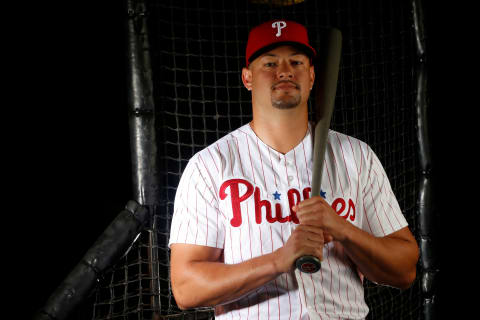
[{"x": 285, "y": 85}]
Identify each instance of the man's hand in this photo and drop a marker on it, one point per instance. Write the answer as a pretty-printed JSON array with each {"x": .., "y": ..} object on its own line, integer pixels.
[
  {"x": 304, "y": 240},
  {"x": 318, "y": 213}
]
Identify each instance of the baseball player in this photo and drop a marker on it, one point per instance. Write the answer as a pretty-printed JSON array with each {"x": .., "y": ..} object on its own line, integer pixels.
[{"x": 243, "y": 210}]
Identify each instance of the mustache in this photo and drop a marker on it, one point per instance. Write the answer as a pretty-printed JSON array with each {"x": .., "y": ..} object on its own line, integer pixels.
[{"x": 297, "y": 86}]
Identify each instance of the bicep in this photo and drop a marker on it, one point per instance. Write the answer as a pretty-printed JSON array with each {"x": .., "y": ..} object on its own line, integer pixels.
[
  {"x": 187, "y": 274},
  {"x": 192, "y": 252},
  {"x": 408, "y": 244},
  {"x": 183, "y": 255},
  {"x": 403, "y": 234}
]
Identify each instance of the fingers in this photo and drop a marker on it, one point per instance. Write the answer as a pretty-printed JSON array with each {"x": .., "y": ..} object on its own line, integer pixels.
[
  {"x": 311, "y": 202},
  {"x": 317, "y": 212},
  {"x": 327, "y": 237},
  {"x": 308, "y": 240},
  {"x": 304, "y": 240},
  {"x": 310, "y": 233},
  {"x": 312, "y": 211},
  {"x": 315, "y": 234}
]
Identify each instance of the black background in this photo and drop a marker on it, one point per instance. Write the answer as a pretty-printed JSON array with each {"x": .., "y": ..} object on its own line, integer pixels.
[
  {"x": 67, "y": 143},
  {"x": 69, "y": 154}
]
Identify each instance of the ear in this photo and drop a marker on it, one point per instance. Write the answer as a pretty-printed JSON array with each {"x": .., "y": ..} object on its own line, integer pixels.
[
  {"x": 247, "y": 78},
  {"x": 312, "y": 76}
]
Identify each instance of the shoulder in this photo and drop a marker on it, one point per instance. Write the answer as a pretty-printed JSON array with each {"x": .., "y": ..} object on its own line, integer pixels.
[
  {"x": 344, "y": 143},
  {"x": 223, "y": 144},
  {"x": 213, "y": 157}
]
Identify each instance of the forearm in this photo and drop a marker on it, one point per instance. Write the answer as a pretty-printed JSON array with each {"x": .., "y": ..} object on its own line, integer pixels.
[
  {"x": 387, "y": 260},
  {"x": 204, "y": 283}
]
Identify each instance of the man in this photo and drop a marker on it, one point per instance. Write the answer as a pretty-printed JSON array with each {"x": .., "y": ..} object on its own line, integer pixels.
[{"x": 243, "y": 212}]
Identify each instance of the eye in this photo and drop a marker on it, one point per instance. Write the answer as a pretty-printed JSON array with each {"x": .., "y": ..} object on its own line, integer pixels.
[
  {"x": 270, "y": 64},
  {"x": 297, "y": 62}
]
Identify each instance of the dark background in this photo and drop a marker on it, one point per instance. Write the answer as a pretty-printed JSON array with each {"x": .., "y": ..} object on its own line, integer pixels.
[
  {"x": 70, "y": 154},
  {"x": 70, "y": 147}
]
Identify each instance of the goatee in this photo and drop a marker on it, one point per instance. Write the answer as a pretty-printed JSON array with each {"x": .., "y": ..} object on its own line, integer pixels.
[{"x": 286, "y": 103}]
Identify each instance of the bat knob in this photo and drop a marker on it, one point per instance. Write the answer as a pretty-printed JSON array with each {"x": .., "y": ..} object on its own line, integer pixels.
[{"x": 308, "y": 264}]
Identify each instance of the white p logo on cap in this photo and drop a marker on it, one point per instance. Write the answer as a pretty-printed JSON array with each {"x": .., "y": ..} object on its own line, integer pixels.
[{"x": 279, "y": 25}]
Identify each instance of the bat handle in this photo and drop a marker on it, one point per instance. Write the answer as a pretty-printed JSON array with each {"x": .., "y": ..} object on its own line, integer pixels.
[{"x": 308, "y": 264}]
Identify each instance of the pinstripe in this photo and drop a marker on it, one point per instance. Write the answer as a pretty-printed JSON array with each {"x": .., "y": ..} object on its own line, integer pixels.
[
  {"x": 296, "y": 167},
  {"x": 216, "y": 225},
  {"x": 368, "y": 220},
  {"x": 383, "y": 207},
  {"x": 196, "y": 215},
  {"x": 275, "y": 281},
  {"x": 392, "y": 209},
  {"x": 376, "y": 212},
  {"x": 179, "y": 226},
  {"x": 213, "y": 160},
  {"x": 301, "y": 305},
  {"x": 336, "y": 169},
  {"x": 384, "y": 187},
  {"x": 239, "y": 157},
  {"x": 314, "y": 294},
  {"x": 286, "y": 170},
  {"x": 273, "y": 169},
  {"x": 325, "y": 166},
  {"x": 331, "y": 279},
  {"x": 304, "y": 295},
  {"x": 206, "y": 169},
  {"x": 231, "y": 158},
  {"x": 307, "y": 174},
  {"x": 221, "y": 162},
  {"x": 344, "y": 162},
  {"x": 323, "y": 291},
  {"x": 359, "y": 171},
  {"x": 339, "y": 282},
  {"x": 261, "y": 164},
  {"x": 250, "y": 157}
]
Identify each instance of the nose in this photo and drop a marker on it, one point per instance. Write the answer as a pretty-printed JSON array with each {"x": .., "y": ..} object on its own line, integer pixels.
[{"x": 285, "y": 72}]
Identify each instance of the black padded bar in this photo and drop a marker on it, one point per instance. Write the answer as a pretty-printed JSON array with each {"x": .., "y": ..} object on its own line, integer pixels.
[{"x": 110, "y": 246}]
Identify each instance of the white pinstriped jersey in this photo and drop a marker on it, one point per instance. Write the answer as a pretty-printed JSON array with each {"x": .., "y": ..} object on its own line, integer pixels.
[{"x": 237, "y": 193}]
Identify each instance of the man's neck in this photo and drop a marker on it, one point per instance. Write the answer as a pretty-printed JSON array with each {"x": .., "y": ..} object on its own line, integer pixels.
[{"x": 281, "y": 133}]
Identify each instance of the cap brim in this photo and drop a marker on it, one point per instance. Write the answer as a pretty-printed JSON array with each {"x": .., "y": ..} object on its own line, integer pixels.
[{"x": 310, "y": 52}]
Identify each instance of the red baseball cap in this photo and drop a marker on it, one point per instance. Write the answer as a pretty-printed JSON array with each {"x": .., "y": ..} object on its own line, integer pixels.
[{"x": 270, "y": 34}]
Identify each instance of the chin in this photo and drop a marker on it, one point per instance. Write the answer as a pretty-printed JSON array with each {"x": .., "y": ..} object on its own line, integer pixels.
[{"x": 286, "y": 103}]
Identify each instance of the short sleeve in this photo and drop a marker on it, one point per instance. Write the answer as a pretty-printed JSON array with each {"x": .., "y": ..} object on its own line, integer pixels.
[
  {"x": 196, "y": 217},
  {"x": 382, "y": 211}
]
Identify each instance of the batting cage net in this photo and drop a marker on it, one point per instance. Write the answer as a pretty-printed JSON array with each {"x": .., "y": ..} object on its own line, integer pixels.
[{"x": 197, "y": 51}]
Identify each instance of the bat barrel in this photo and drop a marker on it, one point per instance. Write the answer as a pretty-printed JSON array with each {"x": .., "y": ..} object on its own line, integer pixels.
[{"x": 327, "y": 76}]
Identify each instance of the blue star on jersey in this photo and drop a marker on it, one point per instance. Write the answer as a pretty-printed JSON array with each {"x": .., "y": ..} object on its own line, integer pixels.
[{"x": 323, "y": 194}]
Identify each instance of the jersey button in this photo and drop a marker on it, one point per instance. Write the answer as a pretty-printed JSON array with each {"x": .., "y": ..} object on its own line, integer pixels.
[{"x": 290, "y": 178}]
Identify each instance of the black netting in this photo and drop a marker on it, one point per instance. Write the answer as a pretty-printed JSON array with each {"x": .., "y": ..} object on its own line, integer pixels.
[{"x": 197, "y": 51}]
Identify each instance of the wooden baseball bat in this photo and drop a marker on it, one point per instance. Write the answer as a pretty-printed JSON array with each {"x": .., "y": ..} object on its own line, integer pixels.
[{"x": 326, "y": 76}]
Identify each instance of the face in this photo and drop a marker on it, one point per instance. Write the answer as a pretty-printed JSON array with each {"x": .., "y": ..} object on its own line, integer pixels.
[{"x": 282, "y": 78}]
